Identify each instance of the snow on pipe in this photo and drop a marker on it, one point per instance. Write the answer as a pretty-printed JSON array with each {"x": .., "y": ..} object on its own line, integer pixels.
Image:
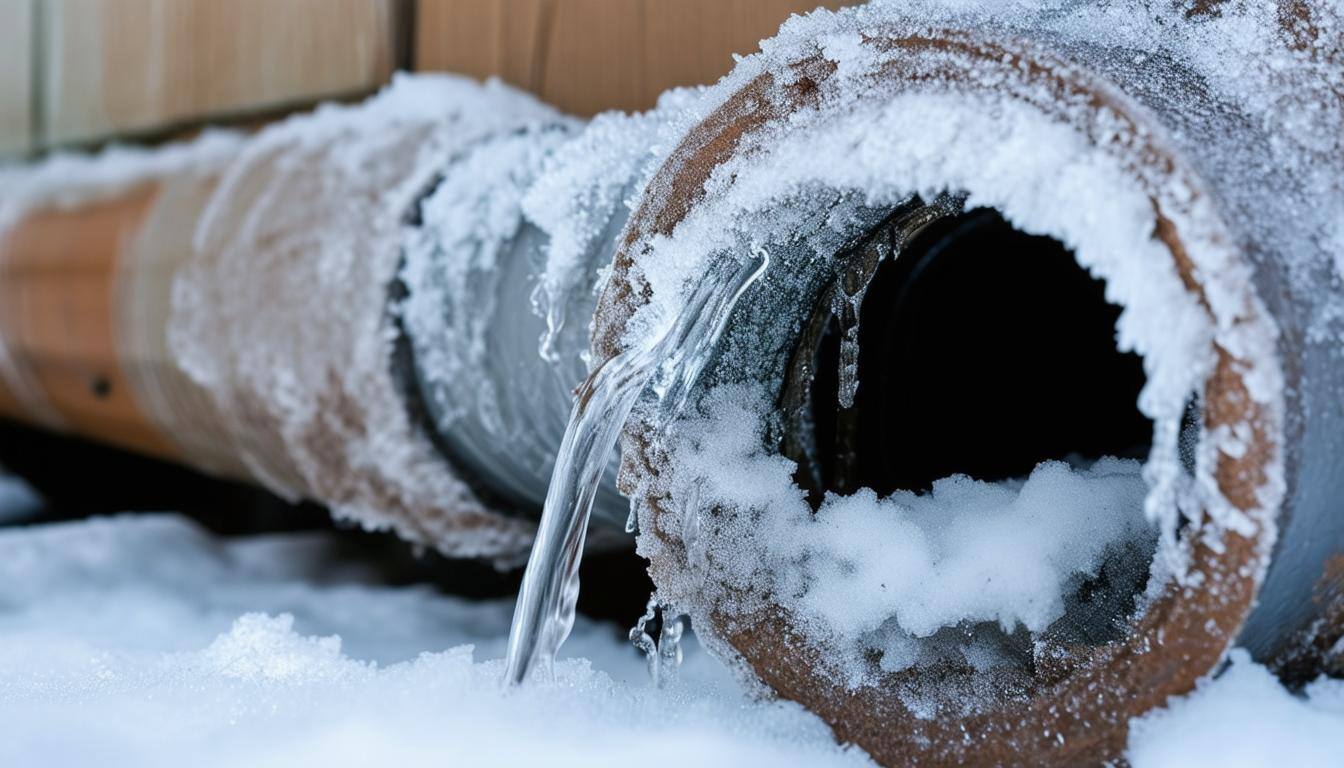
[
  {"x": 349, "y": 306},
  {"x": 1200, "y": 182}
]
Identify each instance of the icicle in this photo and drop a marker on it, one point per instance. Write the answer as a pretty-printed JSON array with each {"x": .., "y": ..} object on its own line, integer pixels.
[{"x": 664, "y": 653}]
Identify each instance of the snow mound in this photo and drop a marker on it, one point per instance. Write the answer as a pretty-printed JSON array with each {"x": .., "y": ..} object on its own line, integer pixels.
[
  {"x": 144, "y": 641},
  {"x": 872, "y": 575},
  {"x": 1243, "y": 718}
]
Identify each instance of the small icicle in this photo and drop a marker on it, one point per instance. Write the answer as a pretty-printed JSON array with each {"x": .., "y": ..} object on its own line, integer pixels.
[
  {"x": 641, "y": 639},
  {"x": 846, "y": 305},
  {"x": 1163, "y": 505},
  {"x": 669, "y": 648},
  {"x": 663, "y": 654},
  {"x": 545, "y": 305},
  {"x": 848, "y": 314}
]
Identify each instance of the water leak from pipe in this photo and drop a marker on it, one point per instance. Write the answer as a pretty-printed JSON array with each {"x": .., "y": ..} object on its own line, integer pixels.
[{"x": 669, "y": 368}]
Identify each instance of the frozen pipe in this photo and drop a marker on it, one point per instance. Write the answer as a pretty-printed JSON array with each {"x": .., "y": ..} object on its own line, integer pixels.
[
  {"x": 1206, "y": 200},
  {"x": 349, "y": 306},
  {"x": 227, "y": 303},
  {"x": 286, "y": 309}
]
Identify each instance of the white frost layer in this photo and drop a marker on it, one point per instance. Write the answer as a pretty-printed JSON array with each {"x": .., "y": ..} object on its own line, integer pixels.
[
  {"x": 867, "y": 574},
  {"x": 587, "y": 186},
  {"x": 1244, "y": 719},
  {"x": 68, "y": 180},
  {"x": 143, "y": 641},
  {"x": 1285, "y": 74},
  {"x": 453, "y": 265},
  {"x": 285, "y": 324}
]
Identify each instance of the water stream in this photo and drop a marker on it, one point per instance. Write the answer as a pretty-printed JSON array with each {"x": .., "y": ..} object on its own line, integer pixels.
[{"x": 669, "y": 368}]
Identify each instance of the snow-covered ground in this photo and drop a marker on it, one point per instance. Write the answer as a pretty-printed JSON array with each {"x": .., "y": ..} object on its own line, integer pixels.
[{"x": 143, "y": 640}]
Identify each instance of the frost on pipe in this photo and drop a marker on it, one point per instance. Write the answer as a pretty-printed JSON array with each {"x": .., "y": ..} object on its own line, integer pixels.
[
  {"x": 282, "y": 311},
  {"x": 239, "y": 304},
  {"x": 1157, "y": 517},
  {"x": 488, "y": 355},
  {"x": 502, "y": 255}
]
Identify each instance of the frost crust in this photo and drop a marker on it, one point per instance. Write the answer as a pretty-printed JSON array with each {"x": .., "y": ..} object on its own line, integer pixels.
[{"x": 286, "y": 324}]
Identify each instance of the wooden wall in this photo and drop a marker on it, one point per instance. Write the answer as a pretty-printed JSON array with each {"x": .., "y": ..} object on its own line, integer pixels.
[
  {"x": 586, "y": 56},
  {"x": 83, "y": 71}
]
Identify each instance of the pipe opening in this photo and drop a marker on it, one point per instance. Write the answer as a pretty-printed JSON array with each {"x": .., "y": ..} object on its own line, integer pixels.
[{"x": 982, "y": 351}]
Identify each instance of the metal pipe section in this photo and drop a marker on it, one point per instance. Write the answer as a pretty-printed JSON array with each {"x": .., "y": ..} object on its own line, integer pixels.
[
  {"x": 496, "y": 386},
  {"x": 1262, "y": 562},
  {"x": 185, "y": 310}
]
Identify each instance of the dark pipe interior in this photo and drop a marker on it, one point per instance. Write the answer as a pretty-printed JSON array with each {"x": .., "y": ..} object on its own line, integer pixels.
[{"x": 983, "y": 351}]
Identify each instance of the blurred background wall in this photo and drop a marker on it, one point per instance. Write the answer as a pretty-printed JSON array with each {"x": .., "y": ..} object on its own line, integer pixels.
[{"x": 83, "y": 72}]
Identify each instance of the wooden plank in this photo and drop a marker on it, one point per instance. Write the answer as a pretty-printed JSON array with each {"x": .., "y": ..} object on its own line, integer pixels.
[
  {"x": 16, "y": 76},
  {"x": 594, "y": 57},
  {"x": 127, "y": 66},
  {"x": 587, "y": 56},
  {"x": 481, "y": 38}
]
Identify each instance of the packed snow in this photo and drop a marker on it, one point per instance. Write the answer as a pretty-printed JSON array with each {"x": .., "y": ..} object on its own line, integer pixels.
[
  {"x": 868, "y": 575},
  {"x": 142, "y": 640},
  {"x": 1244, "y": 718},
  {"x": 300, "y": 373}
]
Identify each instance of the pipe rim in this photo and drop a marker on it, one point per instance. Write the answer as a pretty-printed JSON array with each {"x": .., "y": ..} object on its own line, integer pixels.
[{"x": 1184, "y": 633}]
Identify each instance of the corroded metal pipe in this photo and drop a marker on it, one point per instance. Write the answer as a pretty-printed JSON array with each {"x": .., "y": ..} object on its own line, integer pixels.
[{"x": 1272, "y": 586}]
